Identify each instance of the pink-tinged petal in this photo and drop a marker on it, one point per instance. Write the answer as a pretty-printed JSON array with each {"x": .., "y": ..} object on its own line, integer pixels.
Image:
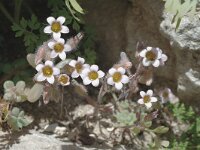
[
  {"x": 47, "y": 29},
  {"x": 143, "y": 53},
  {"x": 164, "y": 57},
  {"x": 40, "y": 77},
  {"x": 100, "y": 73},
  {"x": 140, "y": 101},
  {"x": 86, "y": 81},
  {"x": 112, "y": 71},
  {"x": 51, "y": 45},
  {"x": 110, "y": 81},
  {"x": 121, "y": 70},
  {"x": 64, "y": 29},
  {"x": 53, "y": 54},
  {"x": 72, "y": 63},
  {"x": 118, "y": 85},
  {"x": 51, "y": 79},
  {"x": 61, "y": 40},
  {"x": 67, "y": 47},
  {"x": 95, "y": 83},
  {"x": 39, "y": 67},
  {"x": 149, "y": 48},
  {"x": 80, "y": 59},
  {"x": 148, "y": 105},
  {"x": 62, "y": 56},
  {"x": 159, "y": 54},
  {"x": 150, "y": 93},
  {"x": 56, "y": 35},
  {"x": 56, "y": 71},
  {"x": 154, "y": 99},
  {"x": 145, "y": 62},
  {"x": 156, "y": 63},
  {"x": 61, "y": 19},
  {"x": 125, "y": 79},
  {"x": 75, "y": 74},
  {"x": 50, "y": 20},
  {"x": 94, "y": 68},
  {"x": 49, "y": 63},
  {"x": 142, "y": 93}
]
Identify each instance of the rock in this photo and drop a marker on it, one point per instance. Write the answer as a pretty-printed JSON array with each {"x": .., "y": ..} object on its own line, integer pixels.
[{"x": 54, "y": 128}]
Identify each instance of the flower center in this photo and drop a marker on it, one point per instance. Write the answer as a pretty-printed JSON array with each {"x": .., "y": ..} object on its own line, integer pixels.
[
  {"x": 165, "y": 94},
  {"x": 93, "y": 75},
  {"x": 79, "y": 67},
  {"x": 56, "y": 26},
  {"x": 63, "y": 79},
  {"x": 47, "y": 71},
  {"x": 117, "y": 76},
  {"x": 150, "y": 55},
  {"x": 58, "y": 47},
  {"x": 146, "y": 98}
]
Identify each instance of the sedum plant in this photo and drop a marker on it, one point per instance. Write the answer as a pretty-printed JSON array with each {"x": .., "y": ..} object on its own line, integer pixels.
[{"x": 131, "y": 111}]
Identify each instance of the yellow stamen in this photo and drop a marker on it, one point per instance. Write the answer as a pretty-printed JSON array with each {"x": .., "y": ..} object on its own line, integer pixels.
[
  {"x": 79, "y": 67},
  {"x": 93, "y": 75},
  {"x": 47, "y": 71},
  {"x": 63, "y": 79},
  {"x": 165, "y": 94},
  {"x": 150, "y": 55},
  {"x": 56, "y": 27},
  {"x": 146, "y": 98},
  {"x": 117, "y": 76},
  {"x": 58, "y": 47}
]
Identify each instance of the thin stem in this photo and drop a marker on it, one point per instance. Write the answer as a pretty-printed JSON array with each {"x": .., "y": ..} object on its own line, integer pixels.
[
  {"x": 6, "y": 13},
  {"x": 115, "y": 100},
  {"x": 18, "y": 4},
  {"x": 62, "y": 101}
]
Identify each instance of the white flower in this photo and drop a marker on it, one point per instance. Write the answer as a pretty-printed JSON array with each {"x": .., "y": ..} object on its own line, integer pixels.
[
  {"x": 117, "y": 77},
  {"x": 78, "y": 67},
  {"x": 56, "y": 26},
  {"x": 147, "y": 98},
  {"x": 152, "y": 56},
  {"x": 47, "y": 72},
  {"x": 59, "y": 48},
  {"x": 64, "y": 79},
  {"x": 167, "y": 95},
  {"x": 92, "y": 75}
]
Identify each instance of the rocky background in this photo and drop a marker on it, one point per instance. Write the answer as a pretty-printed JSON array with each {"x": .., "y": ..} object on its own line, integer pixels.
[{"x": 120, "y": 24}]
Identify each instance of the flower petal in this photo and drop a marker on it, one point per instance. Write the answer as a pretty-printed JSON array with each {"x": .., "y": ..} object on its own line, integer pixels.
[
  {"x": 125, "y": 79},
  {"x": 47, "y": 29},
  {"x": 142, "y": 93},
  {"x": 40, "y": 77},
  {"x": 86, "y": 66},
  {"x": 49, "y": 63},
  {"x": 156, "y": 63},
  {"x": 67, "y": 47},
  {"x": 148, "y": 105},
  {"x": 154, "y": 99},
  {"x": 74, "y": 74},
  {"x": 56, "y": 35},
  {"x": 61, "y": 19},
  {"x": 62, "y": 56},
  {"x": 85, "y": 72},
  {"x": 110, "y": 81},
  {"x": 50, "y": 20},
  {"x": 39, "y": 67},
  {"x": 145, "y": 62},
  {"x": 72, "y": 63},
  {"x": 94, "y": 68},
  {"x": 149, "y": 48},
  {"x": 95, "y": 83},
  {"x": 86, "y": 81},
  {"x": 51, "y": 45},
  {"x": 150, "y": 93},
  {"x": 64, "y": 29},
  {"x": 143, "y": 53},
  {"x": 164, "y": 57},
  {"x": 100, "y": 73},
  {"x": 51, "y": 79},
  {"x": 56, "y": 71},
  {"x": 121, "y": 70},
  {"x": 118, "y": 85},
  {"x": 53, "y": 54},
  {"x": 80, "y": 59},
  {"x": 112, "y": 71},
  {"x": 141, "y": 101},
  {"x": 61, "y": 40}
]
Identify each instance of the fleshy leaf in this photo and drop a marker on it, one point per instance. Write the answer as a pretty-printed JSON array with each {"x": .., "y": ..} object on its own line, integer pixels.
[
  {"x": 35, "y": 92},
  {"x": 8, "y": 85}
]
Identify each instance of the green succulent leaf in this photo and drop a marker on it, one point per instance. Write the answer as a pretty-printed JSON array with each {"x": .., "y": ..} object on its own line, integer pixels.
[
  {"x": 76, "y": 6},
  {"x": 161, "y": 129}
]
